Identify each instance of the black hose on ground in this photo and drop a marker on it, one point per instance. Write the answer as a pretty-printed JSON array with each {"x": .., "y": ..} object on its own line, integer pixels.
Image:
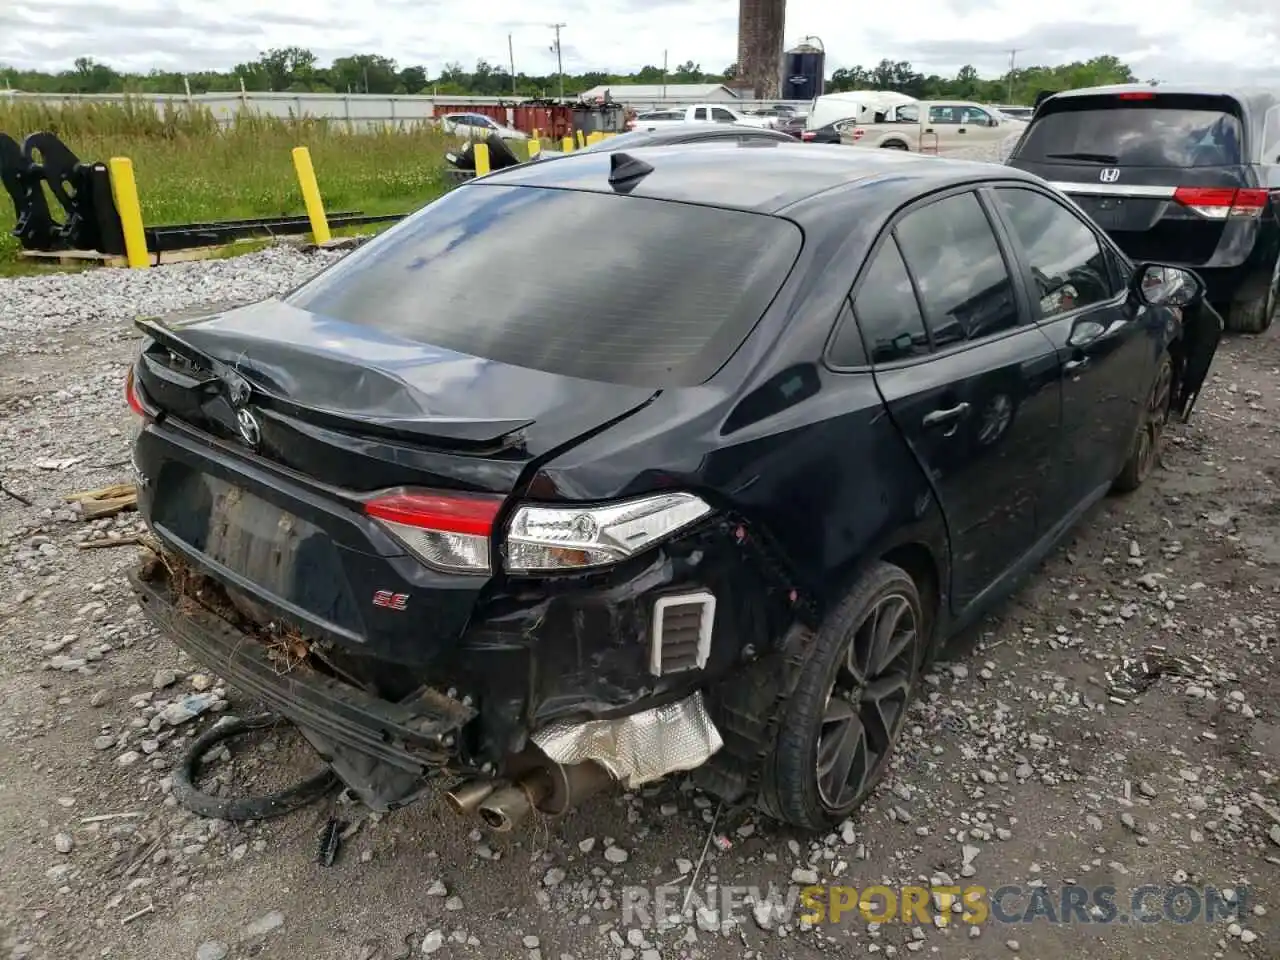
[{"x": 242, "y": 808}]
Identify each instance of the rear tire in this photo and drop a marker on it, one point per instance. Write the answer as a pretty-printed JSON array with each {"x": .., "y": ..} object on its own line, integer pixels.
[
  {"x": 1148, "y": 438},
  {"x": 1250, "y": 316},
  {"x": 1257, "y": 315},
  {"x": 840, "y": 726}
]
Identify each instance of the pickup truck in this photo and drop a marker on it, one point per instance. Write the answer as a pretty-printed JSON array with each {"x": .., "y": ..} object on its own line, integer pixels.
[
  {"x": 930, "y": 126},
  {"x": 697, "y": 113}
]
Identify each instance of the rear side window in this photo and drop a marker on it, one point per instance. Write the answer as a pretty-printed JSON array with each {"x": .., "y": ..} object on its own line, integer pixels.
[
  {"x": 1065, "y": 256},
  {"x": 887, "y": 313},
  {"x": 1271, "y": 136},
  {"x": 953, "y": 255},
  {"x": 603, "y": 287},
  {"x": 1161, "y": 132}
]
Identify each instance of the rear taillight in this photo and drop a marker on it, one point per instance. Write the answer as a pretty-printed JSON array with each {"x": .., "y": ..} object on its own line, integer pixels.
[
  {"x": 448, "y": 531},
  {"x": 1219, "y": 203},
  {"x": 1135, "y": 96},
  {"x": 550, "y": 538},
  {"x": 131, "y": 395},
  {"x": 453, "y": 531},
  {"x": 807, "y": 135},
  {"x": 857, "y": 133}
]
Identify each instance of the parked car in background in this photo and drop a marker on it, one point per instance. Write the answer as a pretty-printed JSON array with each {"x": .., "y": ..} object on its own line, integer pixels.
[
  {"x": 778, "y": 111},
  {"x": 696, "y": 113},
  {"x": 931, "y": 126},
  {"x": 1186, "y": 174},
  {"x": 725, "y": 524},
  {"x": 794, "y": 126},
  {"x": 1016, "y": 112},
  {"x": 830, "y": 134},
  {"x": 478, "y": 126}
]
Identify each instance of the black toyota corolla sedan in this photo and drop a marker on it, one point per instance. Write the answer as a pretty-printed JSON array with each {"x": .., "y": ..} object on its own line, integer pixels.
[{"x": 683, "y": 458}]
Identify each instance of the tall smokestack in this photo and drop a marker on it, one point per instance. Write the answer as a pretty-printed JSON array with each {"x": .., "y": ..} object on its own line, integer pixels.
[{"x": 761, "y": 25}]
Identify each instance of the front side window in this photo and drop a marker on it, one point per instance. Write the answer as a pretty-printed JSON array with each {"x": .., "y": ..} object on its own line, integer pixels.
[
  {"x": 722, "y": 115},
  {"x": 955, "y": 259},
  {"x": 1066, "y": 259}
]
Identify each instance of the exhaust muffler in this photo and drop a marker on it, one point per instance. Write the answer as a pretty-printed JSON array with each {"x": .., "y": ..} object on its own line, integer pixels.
[{"x": 551, "y": 789}]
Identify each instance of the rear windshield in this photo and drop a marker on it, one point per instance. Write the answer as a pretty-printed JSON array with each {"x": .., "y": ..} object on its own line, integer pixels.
[
  {"x": 1186, "y": 132},
  {"x": 604, "y": 287}
]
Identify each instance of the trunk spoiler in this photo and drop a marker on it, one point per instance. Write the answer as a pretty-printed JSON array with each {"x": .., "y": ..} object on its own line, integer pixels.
[{"x": 478, "y": 431}]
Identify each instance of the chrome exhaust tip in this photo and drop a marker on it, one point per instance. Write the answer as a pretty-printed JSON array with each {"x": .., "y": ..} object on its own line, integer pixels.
[
  {"x": 503, "y": 809},
  {"x": 468, "y": 795}
]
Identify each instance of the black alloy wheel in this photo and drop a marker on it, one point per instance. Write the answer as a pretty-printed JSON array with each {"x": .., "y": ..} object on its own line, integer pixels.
[
  {"x": 849, "y": 708},
  {"x": 1150, "y": 434},
  {"x": 867, "y": 703}
]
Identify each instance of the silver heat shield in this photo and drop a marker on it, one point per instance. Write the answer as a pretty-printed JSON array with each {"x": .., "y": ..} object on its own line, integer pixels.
[{"x": 639, "y": 748}]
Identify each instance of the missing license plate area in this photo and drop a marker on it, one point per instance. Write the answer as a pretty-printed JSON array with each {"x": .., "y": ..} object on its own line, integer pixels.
[
  {"x": 682, "y": 626},
  {"x": 286, "y": 558}
]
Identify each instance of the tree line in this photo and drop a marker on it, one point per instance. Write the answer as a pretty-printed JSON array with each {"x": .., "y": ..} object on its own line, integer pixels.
[{"x": 297, "y": 70}]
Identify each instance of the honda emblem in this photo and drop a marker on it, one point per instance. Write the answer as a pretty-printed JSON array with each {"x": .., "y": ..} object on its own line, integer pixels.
[{"x": 1109, "y": 175}]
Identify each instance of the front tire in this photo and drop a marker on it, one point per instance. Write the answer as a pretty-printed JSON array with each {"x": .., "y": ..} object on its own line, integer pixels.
[
  {"x": 1148, "y": 438},
  {"x": 840, "y": 726}
]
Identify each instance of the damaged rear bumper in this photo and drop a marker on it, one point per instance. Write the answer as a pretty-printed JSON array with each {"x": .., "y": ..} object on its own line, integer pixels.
[
  {"x": 383, "y": 750},
  {"x": 409, "y": 735}
]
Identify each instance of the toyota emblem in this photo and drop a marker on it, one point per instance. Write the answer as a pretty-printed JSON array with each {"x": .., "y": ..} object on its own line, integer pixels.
[
  {"x": 1109, "y": 175},
  {"x": 249, "y": 429}
]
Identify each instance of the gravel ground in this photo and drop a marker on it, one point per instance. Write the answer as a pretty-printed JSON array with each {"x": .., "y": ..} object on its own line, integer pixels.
[{"x": 1019, "y": 768}]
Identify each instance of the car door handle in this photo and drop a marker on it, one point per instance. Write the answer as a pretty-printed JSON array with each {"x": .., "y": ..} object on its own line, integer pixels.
[
  {"x": 1073, "y": 366},
  {"x": 938, "y": 418}
]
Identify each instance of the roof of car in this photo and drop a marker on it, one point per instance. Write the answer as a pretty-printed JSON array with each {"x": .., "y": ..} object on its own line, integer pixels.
[
  {"x": 693, "y": 132},
  {"x": 757, "y": 175},
  {"x": 1254, "y": 97}
]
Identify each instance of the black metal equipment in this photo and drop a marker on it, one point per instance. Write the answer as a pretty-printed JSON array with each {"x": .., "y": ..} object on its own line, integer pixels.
[
  {"x": 91, "y": 221},
  {"x": 82, "y": 189}
]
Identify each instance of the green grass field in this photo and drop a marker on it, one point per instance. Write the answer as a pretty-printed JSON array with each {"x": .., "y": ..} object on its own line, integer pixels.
[{"x": 188, "y": 168}]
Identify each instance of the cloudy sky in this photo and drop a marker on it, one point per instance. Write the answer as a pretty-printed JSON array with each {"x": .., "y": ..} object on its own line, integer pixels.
[{"x": 1222, "y": 40}]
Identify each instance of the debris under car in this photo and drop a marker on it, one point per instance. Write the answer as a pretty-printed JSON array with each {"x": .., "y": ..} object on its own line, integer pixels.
[{"x": 548, "y": 532}]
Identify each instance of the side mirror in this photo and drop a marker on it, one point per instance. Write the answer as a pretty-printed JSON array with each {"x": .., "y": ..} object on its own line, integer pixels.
[
  {"x": 992, "y": 122},
  {"x": 1161, "y": 285}
]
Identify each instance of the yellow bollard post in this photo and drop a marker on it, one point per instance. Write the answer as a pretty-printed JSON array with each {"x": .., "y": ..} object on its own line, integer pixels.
[
  {"x": 124, "y": 190},
  {"x": 536, "y": 134},
  {"x": 311, "y": 195},
  {"x": 482, "y": 159},
  {"x": 594, "y": 137},
  {"x": 535, "y": 148},
  {"x": 567, "y": 144},
  {"x": 582, "y": 139},
  {"x": 610, "y": 134}
]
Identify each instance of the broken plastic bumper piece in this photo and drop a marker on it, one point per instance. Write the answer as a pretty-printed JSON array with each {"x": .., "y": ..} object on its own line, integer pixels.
[{"x": 407, "y": 735}]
